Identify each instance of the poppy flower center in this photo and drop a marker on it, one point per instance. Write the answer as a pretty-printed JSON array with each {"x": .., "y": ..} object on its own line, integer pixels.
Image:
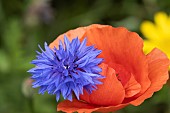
[{"x": 122, "y": 74}]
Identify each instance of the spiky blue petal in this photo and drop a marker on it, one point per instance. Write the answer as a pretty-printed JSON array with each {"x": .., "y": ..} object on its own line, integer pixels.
[{"x": 67, "y": 70}]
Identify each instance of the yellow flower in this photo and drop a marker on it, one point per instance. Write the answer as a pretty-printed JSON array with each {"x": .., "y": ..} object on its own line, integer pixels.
[{"x": 158, "y": 33}]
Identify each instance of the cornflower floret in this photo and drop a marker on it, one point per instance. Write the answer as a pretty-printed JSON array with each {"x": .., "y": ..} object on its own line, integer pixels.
[{"x": 67, "y": 70}]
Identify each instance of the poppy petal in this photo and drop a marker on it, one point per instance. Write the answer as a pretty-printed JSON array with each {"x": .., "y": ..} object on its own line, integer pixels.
[
  {"x": 122, "y": 74},
  {"x": 111, "y": 108},
  {"x": 132, "y": 87},
  {"x": 111, "y": 86},
  {"x": 81, "y": 107},
  {"x": 71, "y": 34},
  {"x": 119, "y": 46},
  {"x": 158, "y": 74},
  {"x": 70, "y": 107}
]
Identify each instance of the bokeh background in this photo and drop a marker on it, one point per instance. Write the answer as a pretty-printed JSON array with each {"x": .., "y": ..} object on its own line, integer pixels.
[{"x": 26, "y": 23}]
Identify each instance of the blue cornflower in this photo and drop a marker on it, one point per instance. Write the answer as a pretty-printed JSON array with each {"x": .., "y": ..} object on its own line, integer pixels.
[{"x": 67, "y": 70}]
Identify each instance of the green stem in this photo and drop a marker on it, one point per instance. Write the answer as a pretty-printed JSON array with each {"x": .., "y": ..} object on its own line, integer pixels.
[{"x": 31, "y": 105}]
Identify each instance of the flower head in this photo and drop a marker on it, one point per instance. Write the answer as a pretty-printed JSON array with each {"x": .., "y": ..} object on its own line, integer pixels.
[
  {"x": 130, "y": 75},
  {"x": 158, "y": 33},
  {"x": 73, "y": 67}
]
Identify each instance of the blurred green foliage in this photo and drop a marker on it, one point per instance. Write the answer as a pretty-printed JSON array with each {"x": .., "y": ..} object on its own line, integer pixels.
[{"x": 26, "y": 23}]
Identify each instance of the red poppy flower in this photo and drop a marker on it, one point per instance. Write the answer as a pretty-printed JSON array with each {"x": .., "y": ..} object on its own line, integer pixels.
[{"x": 130, "y": 75}]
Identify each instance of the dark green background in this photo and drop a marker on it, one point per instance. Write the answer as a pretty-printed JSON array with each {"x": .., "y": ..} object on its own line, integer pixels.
[{"x": 26, "y": 23}]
